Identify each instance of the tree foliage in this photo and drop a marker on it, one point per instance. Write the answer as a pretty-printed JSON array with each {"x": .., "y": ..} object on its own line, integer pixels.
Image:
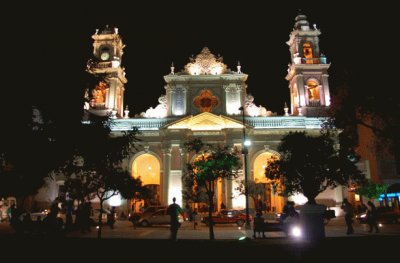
[
  {"x": 375, "y": 109},
  {"x": 372, "y": 190},
  {"x": 311, "y": 164},
  {"x": 94, "y": 169},
  {"x": 212, "y": 163},
  {"x": 29, "y": 152}
]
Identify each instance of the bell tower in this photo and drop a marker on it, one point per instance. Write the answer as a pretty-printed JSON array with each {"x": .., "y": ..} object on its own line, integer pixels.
[
  {"x": 107, "y": 97},
  {"x": 308, "y": 71}
]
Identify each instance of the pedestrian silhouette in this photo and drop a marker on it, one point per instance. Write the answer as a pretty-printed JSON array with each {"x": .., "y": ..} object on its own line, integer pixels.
[
  {"x": 258, "y": 226},
  {"x": 223, "y": 206},
  {"x": 173, "y": 211},
  {"x": 348, "y": 217},
  {"x": 372, "y": 217},
  {"x": 194, "y": 218}
]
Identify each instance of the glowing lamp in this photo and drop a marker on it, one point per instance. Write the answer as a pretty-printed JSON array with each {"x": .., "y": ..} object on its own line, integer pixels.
[{"x": 115, "y": 200}]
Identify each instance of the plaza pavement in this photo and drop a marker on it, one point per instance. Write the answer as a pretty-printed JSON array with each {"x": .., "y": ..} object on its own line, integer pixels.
[
  {"x": 124, "y": 229},
  {"x": 152, "y": 244}
]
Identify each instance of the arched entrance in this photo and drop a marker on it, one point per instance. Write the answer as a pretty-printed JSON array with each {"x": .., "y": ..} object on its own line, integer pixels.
[
  {"x": 268, "y": 200},
  {"x": 147, "y": 167}
]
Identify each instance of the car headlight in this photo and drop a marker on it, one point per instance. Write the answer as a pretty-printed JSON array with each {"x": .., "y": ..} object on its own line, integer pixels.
[{"x": 363, "y": 215}]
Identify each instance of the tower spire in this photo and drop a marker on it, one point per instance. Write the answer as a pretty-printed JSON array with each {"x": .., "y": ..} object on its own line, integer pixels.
[
  {"x": 172, "y": 68},
  {"x": 239, "y": 67}
]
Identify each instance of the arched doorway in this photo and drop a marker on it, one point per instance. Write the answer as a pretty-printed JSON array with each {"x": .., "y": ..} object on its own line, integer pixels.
[
  {"x": 147, "y": 167},
  {"x": 268, "y": 200}
]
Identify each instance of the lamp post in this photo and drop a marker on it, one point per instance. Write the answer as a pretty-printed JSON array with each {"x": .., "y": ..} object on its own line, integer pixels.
[{"x": 245, "y": 151}]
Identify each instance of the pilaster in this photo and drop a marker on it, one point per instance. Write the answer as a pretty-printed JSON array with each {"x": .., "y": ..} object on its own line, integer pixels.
[{"x": 166, "y": 176}]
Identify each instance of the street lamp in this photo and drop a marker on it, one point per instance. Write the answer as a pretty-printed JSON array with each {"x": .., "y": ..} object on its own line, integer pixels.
[{"x": 245, "y": 151}]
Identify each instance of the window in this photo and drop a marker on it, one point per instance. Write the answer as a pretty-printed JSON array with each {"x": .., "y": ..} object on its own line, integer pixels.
[{"x": 308, "y": 53}]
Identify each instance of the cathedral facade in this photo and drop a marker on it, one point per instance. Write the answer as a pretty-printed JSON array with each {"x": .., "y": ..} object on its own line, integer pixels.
[{"x": 207, "y": 100}]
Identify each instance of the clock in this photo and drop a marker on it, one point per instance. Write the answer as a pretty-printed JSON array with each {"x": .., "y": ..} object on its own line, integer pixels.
[{"x": 105, "y": 56}]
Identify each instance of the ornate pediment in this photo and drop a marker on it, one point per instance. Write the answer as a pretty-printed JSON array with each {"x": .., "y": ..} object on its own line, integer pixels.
[
  {"x": 206, "y": 122},
  {"x": 205, "y": 63}
]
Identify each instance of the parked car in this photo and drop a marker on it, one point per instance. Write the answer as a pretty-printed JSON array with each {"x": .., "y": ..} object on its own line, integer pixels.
[
  {"x": 227, "y": 216},
  {"x": 134, "y": 217},
  {"x": 385, "y": 214},
  {"x": 159, "y": 217}
]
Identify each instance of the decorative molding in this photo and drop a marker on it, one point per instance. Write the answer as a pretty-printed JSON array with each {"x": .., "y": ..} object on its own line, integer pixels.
[
  {"x": 206, "y": 101},
  {"x": 206, "y": 122},
  {"x": 205, "y": 63},
  {"x": 146, "y": 148}
]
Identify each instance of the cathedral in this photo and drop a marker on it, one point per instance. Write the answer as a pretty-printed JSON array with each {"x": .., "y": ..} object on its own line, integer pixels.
[{"x": 205, "y": 99}]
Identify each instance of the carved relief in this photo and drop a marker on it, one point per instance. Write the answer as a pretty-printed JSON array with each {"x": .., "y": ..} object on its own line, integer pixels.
[
  {"x": 252, "y": 110},
  {"x": 205, "y": 63},
  {"x": 206, "y": 101},
  {"x": 160, "y": 111}
]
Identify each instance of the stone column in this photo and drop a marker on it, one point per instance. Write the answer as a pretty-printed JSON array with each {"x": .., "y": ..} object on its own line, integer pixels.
[
  {"x": 182, "y": 153},
  {"x": 228, "y": 193},
  {"x": 325, "y": 85},
  {"x": 301, "y": 90},
  {"x": 165, "y": 178}
]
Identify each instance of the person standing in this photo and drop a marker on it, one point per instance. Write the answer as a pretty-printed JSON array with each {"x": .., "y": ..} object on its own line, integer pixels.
[
  {"x": 223, "y": 206},
  {"x": 348, "y": 217},
  {"x": 173, "y": 211},
  {"x": 372, "y": 217},
  {"x": 194, "y": 218},
  {"x": 111, "y": 218}
]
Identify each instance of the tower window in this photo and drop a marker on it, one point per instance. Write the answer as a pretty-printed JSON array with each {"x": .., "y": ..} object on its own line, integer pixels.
[
  {"x": 308, "y": 53},
  {"x": 313, "y": 93}
]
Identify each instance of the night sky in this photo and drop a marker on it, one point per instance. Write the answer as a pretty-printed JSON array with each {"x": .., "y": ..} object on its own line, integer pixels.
[{"x": 47, "y": 47}]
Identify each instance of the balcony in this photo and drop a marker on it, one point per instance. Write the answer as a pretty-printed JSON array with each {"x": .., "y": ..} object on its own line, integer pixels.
[
  {"x": 93, "y": 65},
  {"x": 298, "y": 60},
  {"x": 314, "y": 103}
]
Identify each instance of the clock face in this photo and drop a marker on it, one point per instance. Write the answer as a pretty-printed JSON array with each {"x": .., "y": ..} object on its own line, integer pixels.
[{"x": 105, "y": 56}]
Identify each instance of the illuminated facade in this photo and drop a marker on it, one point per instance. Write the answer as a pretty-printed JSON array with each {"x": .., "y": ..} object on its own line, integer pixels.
[
  {"x": 203, "y": 100},
  {"x": 308, "y": 72}
]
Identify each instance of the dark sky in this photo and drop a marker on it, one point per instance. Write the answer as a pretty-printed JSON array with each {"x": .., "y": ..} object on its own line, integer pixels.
[{"x": 46, "y": 47}]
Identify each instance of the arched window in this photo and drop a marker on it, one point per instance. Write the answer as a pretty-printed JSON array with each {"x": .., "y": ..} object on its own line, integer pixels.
[
  {"x": 313, "y": 93},
  {"x": 308, "y": 53},
  {"x": 270, "y": 200},
  {"x": 147, "y": 167},
  {"x": 259, "y": 167}
]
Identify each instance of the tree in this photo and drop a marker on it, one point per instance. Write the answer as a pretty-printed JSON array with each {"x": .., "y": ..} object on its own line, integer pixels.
[
  {"x": 311, "y": 164},
  {"x": 192, "y": 192},
  {"x": 27, "y": 155},
  {"x": 374, "y": 109},
  {"x": 213, "y": 162},
  {"x": 372, "y": 190},
  {"x": 95, "y": 167}
]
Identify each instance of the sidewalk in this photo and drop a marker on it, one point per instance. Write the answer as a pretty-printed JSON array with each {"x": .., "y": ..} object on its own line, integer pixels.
[{"x": 124, "y": 229}]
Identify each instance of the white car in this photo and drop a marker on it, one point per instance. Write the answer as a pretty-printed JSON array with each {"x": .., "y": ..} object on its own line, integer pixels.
[{"x": 159, "y": 217}]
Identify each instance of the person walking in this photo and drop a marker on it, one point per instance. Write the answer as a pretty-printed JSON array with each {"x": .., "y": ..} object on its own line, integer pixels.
[
  {"x": 111, "y": 218},
  {"x": 194, "y": 218},
  {"x": 173, "y": 211},
  {"x": 372, "y": 217},
  {"x": 348, "y": 217}
]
